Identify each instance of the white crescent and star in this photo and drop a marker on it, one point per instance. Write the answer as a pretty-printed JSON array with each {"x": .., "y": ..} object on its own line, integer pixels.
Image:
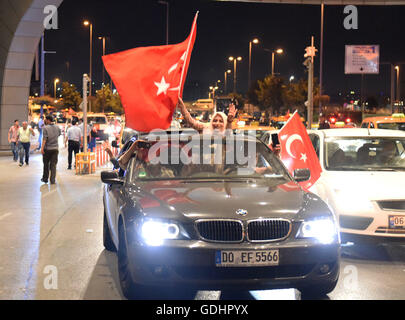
[
  {"x": 288, "y": 143},
  {"x": 163, "y": 86}
]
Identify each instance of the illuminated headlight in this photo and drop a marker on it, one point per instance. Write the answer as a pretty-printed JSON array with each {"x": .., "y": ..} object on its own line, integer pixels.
[
  {"x": 154, "y": 232},
  {"x": 324, "y": 230}
]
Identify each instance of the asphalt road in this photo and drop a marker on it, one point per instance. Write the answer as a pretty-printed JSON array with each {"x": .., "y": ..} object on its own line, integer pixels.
[{"x": 51, "y": 247}]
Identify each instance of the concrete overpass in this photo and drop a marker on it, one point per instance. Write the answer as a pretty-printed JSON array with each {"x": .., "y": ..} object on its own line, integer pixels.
[{"x": 21, "y": 26}]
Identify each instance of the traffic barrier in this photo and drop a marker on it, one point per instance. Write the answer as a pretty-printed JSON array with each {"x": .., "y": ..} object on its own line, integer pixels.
[{"x": 102, "y": 156}]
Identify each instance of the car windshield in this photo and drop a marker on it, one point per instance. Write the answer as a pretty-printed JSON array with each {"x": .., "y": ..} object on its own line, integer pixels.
[
  {"x": 363, "y": 153},
  {"x": 392, "y": 125},
  {"x": 255, "y": 133},
  {"x": 100, "y": 120},
  {"x": 219, "y": 158}
]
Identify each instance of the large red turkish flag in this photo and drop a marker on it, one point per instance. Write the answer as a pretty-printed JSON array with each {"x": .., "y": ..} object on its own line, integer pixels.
[
  {"x": 297, "y": 151},
  {"x": 149, "y": 81}
]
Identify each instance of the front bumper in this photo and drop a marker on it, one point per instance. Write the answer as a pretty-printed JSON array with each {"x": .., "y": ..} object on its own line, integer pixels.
[
  {"x": 192, "y": 263},
  {"x": 374, "y": 223}
]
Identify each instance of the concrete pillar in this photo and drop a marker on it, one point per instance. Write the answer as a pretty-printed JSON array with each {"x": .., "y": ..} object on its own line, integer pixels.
[{"x": 21, "y": 26}]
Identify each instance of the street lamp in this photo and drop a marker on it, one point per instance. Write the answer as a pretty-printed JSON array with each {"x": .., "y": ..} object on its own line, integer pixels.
[
  {"x": 255, "y": 41},
  {"x": 87, "y": 23},
  {"x": 54, "y": 86},
  {"x": 225, "y": 84},
  {"x": 398, "y": 93},
  {"x": 273, "y": 52},
  {"x": 103, "y": 38},
  {"x": 213, "y": 89},
  {"x": 234, "y": 70}
]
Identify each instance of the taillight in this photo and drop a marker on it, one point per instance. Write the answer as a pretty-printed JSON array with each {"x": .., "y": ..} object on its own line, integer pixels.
[
  {"x": 332, "y": 120},
  {"x": 348, "y": 120}
]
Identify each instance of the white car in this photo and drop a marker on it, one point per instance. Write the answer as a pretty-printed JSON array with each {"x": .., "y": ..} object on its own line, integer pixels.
[{"x": 363, "y": 180}]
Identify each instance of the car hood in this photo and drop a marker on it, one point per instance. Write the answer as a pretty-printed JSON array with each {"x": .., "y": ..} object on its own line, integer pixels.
[
  {"x": 371, "y": 185},
  {"x": 208, "y": 199}
]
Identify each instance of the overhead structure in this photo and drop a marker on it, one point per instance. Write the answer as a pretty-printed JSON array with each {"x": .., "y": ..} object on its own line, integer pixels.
[
  {"x": 22, "y": 22},
  {"x": 329, "y": 2}
]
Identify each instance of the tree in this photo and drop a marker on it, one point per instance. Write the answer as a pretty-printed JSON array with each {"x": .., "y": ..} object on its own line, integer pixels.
[
  {"x": 271, "y": 93},
  {"x": 107, "y": 101},
  {"x": 71, "y": 97}
]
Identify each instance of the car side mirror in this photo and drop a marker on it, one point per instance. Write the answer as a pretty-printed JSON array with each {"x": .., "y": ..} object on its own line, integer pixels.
[
  {"x": 111, "y": 177},
  {"x": 301, "y": 175}
]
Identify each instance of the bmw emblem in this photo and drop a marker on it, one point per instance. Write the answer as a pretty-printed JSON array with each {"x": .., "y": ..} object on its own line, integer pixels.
[{"x": 241, "y": 212}]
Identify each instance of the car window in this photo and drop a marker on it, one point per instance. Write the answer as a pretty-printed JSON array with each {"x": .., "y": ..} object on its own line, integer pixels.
[
  {"x": 364, "y": 125},
  {"x": 392, "y": 125},
  {"x": 315, "y": 142},
  {"x": 371, "y": 125},
  {"x": 361, "y": 154},
  {"x": 213, "y": 159},
  {"x": 99, "y": 120}
]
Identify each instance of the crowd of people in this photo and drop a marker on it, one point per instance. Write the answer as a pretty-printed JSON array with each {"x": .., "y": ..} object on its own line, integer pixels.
[{"x": 19, "y": 138}]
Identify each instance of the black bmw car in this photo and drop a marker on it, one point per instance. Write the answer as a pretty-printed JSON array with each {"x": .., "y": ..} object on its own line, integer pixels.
[{"x": 214, "y": 213}]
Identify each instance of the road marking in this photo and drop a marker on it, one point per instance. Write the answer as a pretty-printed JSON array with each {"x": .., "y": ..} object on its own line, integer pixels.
[{"x": 3, "y": 216}]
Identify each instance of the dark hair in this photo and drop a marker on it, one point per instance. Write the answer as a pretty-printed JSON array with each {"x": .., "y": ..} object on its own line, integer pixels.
[
  {"x": 74, "y": 122},
  {"x": 15, "y": 121},
  {"x": 49, "y": 118}
]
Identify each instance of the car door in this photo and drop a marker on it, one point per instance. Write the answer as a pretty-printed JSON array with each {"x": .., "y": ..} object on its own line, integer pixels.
[{"x": 113, "y": 201}]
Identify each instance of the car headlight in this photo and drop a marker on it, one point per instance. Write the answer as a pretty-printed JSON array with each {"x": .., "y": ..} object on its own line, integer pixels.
[
  {"x": 154, "y": 232},
  {"x": 324, "y": 230}
]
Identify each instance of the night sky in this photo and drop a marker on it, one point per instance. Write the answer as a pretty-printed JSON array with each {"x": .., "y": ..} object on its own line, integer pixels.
[{"x": 225, "y": 29}]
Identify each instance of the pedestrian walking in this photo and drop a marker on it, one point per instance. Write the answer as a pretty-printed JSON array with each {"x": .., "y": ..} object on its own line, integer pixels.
[
  {"x": 24, "y": 142},
  {"x": 13, "y": 139},
  {"x": 50, "y": 149},
  {"x": 73, "y": 138},
  {"x": 41, "y": 125}
]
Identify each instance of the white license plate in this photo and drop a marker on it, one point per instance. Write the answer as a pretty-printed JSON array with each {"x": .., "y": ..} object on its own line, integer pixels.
[
  {"x": 396, "y": 222},
  {"x": 240, "y": 258}
]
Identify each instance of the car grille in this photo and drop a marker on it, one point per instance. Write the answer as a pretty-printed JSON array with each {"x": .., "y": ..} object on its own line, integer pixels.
[
  {"x": 392, "y": 205},
  {"x": 268, "y": 229},
  {"x": 237, "y": 273},
  {"x": 234, "y": 230},
  {"x": 220, "y": 230}
]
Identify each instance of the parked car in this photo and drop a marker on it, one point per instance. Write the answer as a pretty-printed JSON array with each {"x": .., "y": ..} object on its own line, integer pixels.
[
  {"x": 218, "y": 224},
  {"x": 100, "y": 122},
  {"x": 363, "y": 180},
  {"x": 394, "y": 122}
]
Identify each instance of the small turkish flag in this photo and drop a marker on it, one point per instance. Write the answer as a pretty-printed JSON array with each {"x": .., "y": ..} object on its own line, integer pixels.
[
  {"x": 297, "y": 151},
  {"x": 150, "y": 80}
]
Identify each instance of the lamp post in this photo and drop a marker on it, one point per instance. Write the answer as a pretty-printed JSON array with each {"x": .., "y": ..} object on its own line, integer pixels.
[
  {"x": 278, "y": 51},
  {"x": 225, "y": 84},
  {"x": 398, "y": 93},
  {"x": 54, "y": 86},
  {"x": 255, "y": 41},
  {"x": 213, "y": 89},
  {"x": 167, "y": 19},
  {"x": 234, "y": 70},
  {"x": 87, "y": 23},
  {"x": 103, "y": 38}
]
